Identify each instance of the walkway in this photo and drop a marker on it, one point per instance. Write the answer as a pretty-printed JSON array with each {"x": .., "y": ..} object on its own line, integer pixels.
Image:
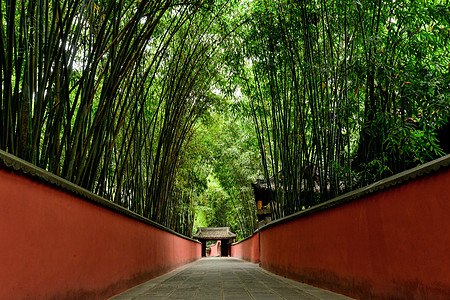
[{"x": 224, "y": 278}]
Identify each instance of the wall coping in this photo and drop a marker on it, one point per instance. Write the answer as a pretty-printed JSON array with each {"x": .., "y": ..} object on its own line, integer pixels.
[
  {"x": 247, "y": 238},
  {"x": 394, "y": 180},
  {"x": 22, "y": 167}
]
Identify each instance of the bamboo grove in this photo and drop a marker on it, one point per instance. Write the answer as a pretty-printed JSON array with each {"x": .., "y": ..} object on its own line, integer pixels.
[
  {"x": 141, "y": 102},
  {"x": 343, "y": 93},
  {"x": 105, "y": 94}
]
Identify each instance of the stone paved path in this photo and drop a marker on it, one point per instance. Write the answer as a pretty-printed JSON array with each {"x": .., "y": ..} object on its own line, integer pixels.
[{"x": 224, "y": 278}]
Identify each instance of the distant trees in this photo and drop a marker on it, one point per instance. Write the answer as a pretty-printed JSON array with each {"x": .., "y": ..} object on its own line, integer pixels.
[{"x": 233, "y": 157}]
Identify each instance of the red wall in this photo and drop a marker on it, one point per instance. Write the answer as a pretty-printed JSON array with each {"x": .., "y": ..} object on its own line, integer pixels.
[
  {"x": 56, "y": 246},
  {"x": 392, "y": 244},
  {"x": 215, "y": 249},
  {"x": 247, "y": 249}
]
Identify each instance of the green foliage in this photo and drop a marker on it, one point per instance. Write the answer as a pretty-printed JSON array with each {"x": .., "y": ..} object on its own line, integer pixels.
[
  {"x": 226, "y": 148},
  {"x": 172, "y": 109},
  {"x": 105, "y": 94},
  {"x": 342, "y": 93}
]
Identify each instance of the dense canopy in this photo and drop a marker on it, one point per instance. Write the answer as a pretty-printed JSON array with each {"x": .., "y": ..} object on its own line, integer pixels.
[{"x": 173, "y": 108}]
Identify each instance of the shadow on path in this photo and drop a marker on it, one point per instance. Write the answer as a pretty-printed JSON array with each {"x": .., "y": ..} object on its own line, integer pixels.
[{"x": 224, "y": 278}]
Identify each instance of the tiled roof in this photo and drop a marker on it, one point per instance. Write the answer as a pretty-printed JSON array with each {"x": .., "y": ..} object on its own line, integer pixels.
[{"x": 214, "y": 233}]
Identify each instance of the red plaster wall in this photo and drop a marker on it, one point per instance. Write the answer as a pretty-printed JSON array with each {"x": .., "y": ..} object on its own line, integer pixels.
[
  {"x": 56, "y": 246},
  {"x": 393, "y": 244},
  {"x": 247, "y": 249},
  {"x": 215, "y": 249}
]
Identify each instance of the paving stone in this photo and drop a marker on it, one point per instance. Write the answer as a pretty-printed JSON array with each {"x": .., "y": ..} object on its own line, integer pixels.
[
  {"x": 265, "y": 296},
  {"x": 146, "y": 297},
  {"x": 236, "y": 296},
  {"x": 224, "y": 278}
]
